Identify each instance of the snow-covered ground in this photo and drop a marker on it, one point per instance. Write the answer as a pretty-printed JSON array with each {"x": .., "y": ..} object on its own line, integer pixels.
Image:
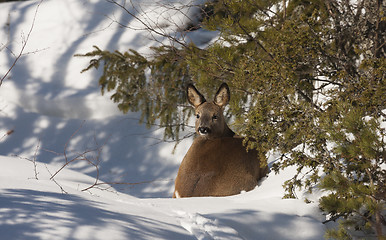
[{"x": 52, "y": 112}]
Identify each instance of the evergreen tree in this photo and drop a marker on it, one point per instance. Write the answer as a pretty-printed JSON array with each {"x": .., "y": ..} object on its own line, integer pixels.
[{"x": 308, "y": 80}]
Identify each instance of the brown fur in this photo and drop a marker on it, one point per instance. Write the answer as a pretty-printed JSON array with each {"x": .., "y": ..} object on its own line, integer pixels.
[{"x": 217, "y": 163}]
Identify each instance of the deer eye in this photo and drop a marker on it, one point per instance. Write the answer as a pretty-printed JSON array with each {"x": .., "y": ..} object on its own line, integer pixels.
[
  {"x": 197, "y": 115},
  {"x": 214, "y": 117}
]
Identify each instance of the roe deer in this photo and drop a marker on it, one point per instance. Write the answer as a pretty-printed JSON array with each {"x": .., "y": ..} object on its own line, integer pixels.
[{"x": 217, "y": 163}]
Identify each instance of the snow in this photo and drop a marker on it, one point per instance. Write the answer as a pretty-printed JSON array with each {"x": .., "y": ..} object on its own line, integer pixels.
[
  {"x": 51, "y": 113},
  {"x": 36, "y": 209}
]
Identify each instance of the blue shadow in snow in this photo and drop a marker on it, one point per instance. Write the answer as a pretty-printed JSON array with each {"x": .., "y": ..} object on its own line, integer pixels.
[
  {"x": 28, "y": 214},
  {"x": 271, "y": 226}
]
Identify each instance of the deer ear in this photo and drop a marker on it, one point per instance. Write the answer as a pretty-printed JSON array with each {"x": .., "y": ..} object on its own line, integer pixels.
[
  {"x": 222, "y": 96},
  {"x": 194, "y": 96}
]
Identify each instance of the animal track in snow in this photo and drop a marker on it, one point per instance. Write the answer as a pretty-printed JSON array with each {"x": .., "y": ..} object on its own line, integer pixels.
[{"x": 204, "y": 228}]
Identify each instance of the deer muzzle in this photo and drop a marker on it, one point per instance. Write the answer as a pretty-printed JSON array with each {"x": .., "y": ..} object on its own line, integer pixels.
[{"x": 203, "y": 130}]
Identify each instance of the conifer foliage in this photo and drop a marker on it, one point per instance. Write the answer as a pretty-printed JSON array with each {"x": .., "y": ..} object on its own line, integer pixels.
[
  {"x": 157, "y": 98},
  {"x": 308, "y": 80}
]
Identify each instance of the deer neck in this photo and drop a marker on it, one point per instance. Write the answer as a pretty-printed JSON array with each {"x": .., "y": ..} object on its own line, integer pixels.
[{"x": 228, "y": 132}]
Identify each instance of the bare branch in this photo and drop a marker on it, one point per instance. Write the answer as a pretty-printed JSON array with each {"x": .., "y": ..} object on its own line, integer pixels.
[
  {"x": 9, "y": 132},
  {"x": 25, "y": 41},
  {"x": 66, "y": 145},
  {"x": 8, "y": 30},
  {"x": 34, "y": 161},
  {"x": 124, "y": 183},
  {"x": 146, "y": 25},
  {"x": 61, "y": 188}
]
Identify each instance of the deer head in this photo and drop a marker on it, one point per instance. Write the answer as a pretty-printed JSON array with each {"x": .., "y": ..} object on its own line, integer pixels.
[{"x": 210, "y": 121}]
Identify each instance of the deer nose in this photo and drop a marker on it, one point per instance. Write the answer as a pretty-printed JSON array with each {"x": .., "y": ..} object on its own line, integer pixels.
[{"x": 203, "y": 130}]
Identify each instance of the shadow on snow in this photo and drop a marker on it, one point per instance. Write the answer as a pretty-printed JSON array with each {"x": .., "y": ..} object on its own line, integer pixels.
[{"x": 29, "y": 214}]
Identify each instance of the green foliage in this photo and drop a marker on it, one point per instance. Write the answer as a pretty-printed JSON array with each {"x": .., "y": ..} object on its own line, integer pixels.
[
  {"x": 340, "y": 233},
  {"x": 307, "y": 80},
  {"x": 355, "y": 177},
  {"x": 152, "y": 87}
]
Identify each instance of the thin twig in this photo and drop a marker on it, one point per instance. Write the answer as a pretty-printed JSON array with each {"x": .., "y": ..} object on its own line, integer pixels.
[
  {"x": 61, "y": 188},
  {"x": 146, "y": 25},
  {"x": 8, "y": 30},
  {"x": 34, "y": 161},
  {"x": 7, "y": 134},
  {"x": 73, "y": 134},
  {"x": 124, "y": 183},
  {"x": 25, "y": 41}
]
